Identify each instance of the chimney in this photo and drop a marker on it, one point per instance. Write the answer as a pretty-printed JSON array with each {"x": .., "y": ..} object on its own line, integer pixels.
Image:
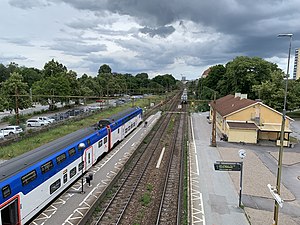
[
  {"x": 244, "y": 96},
  {"x": 237, "y": 95}
]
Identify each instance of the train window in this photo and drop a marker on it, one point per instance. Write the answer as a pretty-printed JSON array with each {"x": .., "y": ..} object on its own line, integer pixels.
[
  {"x": 6, "y": 191},
  {"x": 118, "y": 131},
  {"x": 55, "y": 186},
  {"x": 61, "y": 158},
  {"x": 47, "y": 166},
  {"x": 72, "y": 151},
  {"x": 99, "y": 143},
  {"x": 72, "y": 172},
  {"x": 105, "y": 140},
  {"x": 80, "y": 166},
  {"x": 65, "y": 177},
  {"x": 88, "y": 142},
  {"x": 27, "y": 178}
]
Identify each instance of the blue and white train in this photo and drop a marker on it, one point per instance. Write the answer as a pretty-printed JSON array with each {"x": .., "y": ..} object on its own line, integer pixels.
[{"x": 31, "y": 181}]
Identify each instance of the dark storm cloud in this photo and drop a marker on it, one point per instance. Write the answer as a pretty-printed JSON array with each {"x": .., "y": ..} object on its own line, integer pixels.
[
  {"x": 254, "y": 23},
  {"x": 160, "y": 31},
  {"x": 75, "y": 47}
]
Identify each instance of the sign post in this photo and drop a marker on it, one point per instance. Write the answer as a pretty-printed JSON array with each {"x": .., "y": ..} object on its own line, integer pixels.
[{"x": 231, "y": 166}]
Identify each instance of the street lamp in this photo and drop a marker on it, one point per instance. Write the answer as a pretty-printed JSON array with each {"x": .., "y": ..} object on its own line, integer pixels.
[
  {"x": 81, "y": 147},
  {"x": 276, "y": 207}
]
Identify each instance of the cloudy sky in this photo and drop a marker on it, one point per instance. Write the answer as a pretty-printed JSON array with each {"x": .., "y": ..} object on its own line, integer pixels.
[{"x": 181, "y": 37}]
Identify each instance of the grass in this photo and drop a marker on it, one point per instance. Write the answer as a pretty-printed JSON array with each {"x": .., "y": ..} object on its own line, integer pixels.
[
  {"x": 145, "y": 199},
  {"x": 30, "y": 143}
]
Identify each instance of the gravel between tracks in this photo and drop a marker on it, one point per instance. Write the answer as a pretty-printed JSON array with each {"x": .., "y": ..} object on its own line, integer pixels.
[{"x": 256, "y": 176}]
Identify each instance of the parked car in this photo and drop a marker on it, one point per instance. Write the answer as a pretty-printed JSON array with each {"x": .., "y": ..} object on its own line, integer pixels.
[
  {"x": 36, "y": 123},
  {"x": 73, "y": 112},
  {"x": 93, "y": 108},
  {"x": 45, "y": 118},
  {"x": 10, "y": 130}
]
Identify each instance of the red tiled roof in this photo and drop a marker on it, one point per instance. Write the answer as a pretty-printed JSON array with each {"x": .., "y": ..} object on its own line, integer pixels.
[{"x": 229, "y": 104}]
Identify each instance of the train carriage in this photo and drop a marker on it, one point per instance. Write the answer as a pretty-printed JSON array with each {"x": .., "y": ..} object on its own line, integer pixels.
[{"x": 31, "y": 181}]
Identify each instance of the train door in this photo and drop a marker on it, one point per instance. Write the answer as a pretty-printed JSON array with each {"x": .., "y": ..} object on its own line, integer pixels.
[
  {"x": 89, "y": 157},
  {"x": 109, "y": 137},
  {"x": 10, "y": 213}
]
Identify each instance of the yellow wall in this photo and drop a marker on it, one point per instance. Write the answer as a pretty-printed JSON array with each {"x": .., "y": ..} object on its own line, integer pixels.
[
  {"x": 265, "y": 115},
  {"x": 239, "y": 135}
]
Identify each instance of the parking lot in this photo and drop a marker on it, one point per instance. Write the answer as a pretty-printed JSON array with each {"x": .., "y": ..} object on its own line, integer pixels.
[{"x": 57, "y": 117}]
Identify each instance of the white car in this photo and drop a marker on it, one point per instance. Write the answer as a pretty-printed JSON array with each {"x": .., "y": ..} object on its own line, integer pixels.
[
  {"x": 10, "y": 130},
  {"x": 36, "y": 123},
  {"x": 45, "y": 118}
]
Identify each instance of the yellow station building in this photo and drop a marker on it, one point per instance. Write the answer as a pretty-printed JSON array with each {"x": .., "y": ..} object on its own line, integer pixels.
[{"x": 239, "y": 119}]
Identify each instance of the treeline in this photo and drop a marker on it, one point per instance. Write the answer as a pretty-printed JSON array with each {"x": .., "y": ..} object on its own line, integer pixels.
[
  {"x": 55, "y": 83},
  {"x": 254, "y": 76}
]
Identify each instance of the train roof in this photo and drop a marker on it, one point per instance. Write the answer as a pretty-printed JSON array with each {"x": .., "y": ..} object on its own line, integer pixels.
[
  {"x": 120, "y": 115},
  {"x": 19, "y": 163}
]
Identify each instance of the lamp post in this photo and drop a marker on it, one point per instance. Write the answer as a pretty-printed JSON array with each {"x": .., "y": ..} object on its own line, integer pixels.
[
  {"x": 81, "y": 147},
  {"x": 276, "y": 207}
]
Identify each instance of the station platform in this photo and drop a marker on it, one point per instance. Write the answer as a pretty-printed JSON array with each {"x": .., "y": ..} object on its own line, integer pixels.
[{"x": 73, "y": 205}]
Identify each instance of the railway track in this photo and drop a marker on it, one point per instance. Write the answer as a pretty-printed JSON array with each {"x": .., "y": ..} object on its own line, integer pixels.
[
  {"x": 172, "y": 192},
  {"x": 141, "y": 180}
]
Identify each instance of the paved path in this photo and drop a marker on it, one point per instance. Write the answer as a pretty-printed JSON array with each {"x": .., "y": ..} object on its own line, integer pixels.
[{"x": 213, "y": 195}]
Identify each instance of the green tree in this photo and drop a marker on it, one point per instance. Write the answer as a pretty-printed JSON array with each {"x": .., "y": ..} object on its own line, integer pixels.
[
  {"x": 30, "y": 75},
  {"x": 54, "y": 68},
  {"x": 104, "y": 69},
  {"x": 53, "y": 89},
  {"x": 244, "y": 72},
  {"x": 14, "y": 89},
  {"x": 271, "y": 92},
  {"x": 4, "y": 73}
]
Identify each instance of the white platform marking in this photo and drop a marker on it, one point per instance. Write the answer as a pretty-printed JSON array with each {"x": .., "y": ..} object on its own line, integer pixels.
[{"x": 160, "y": 157}]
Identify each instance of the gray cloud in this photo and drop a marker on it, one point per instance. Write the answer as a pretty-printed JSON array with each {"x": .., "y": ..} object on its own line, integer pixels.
[
  {"x": 28, "y": 4},
  {"x": 75, "y": 47},
  {"x": 7, "y": 59},
  {"x": 161, "y": 31},
  {"x": 262, "y": 19},
  {"x": 157, "y": 35},
  {"x": 18, "y": 41}
]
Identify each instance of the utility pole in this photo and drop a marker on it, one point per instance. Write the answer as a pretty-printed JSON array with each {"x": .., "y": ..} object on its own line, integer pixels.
[
  {"x": 17, "y": 106},
  {"x": 282, "y": 133},
  {"x": 213, "y": 130}
]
